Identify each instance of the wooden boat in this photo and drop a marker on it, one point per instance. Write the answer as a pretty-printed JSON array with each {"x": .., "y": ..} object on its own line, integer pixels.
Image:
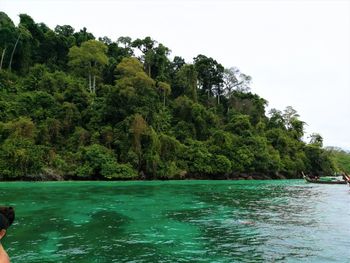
[
  {"x": 320, "y": 181},
  {"x": 347, "y": 178}
]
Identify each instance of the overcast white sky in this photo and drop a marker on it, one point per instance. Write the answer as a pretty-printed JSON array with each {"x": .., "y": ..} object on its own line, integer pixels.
[{"x": 298, "y": 52}]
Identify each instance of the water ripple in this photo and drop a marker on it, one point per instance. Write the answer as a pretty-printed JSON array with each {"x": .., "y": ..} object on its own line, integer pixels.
[{"x": 178, "y": 221}]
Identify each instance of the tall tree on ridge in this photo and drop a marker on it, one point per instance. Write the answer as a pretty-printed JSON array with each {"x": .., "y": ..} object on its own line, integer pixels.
[
  {"x": 234, "y": 79},
  {"x": 154, "y": 57},
  {"x": 210, "y": 75},
  {"x": 89, "y": 59}
]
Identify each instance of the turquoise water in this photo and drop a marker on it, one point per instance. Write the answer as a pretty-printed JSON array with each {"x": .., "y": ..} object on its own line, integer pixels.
[{"x": 178, "y": 221}]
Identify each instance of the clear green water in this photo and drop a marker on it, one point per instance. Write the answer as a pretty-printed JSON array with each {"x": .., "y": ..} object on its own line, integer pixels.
[{"x": 178, "y": 221}]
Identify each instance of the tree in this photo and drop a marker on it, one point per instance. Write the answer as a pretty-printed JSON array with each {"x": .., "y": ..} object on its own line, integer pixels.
[
  {"x": 100, "y": 163},
  {"x": 138, "y": 129},
  {"x": 234, "y": 79},
  {"x": 248, "y": 104},
  {"x": 7, "y": 35},
  {"x": 54, "y": 49},
  {"x": 160, "y": 63},
  {"x": 32, "y": 35},
  {"x": 21, "y": 32},
  {"x": 276, "y": 119},
  {"x": 289, "y": 115},
  {"x": 177, "y": 63},
  {"x": 135, "y": 91},
  {"x": 319, "y": 160},
  {"x": 126, "y": 41},
  {"x": 198, "y": 158},
  {"x": 210, "y": 75},
  {"x": 316, "y": 139},
  {"x": 89, "y": 60},
  {"x": 65, "y": 30},
  {"x": 146, "y": 47},
  {"x": 186, "y": 82},
  {"x": 116, "y": 52},
  {"x": 20, "y": 157},
  {"x": 292, "y": 122},
  {"x": 341, "y": 158},
  {"x": 239, "y": 124},
  {"x": 82, "y": 36},
  {"x": 154, "y": 57},
  {"x": 164, "y": 88}
]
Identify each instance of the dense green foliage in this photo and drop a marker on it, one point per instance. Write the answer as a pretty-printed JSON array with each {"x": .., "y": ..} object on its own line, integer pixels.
[
  {"x": 93, "y": 109},
  {"x": 341, "y": 159}
]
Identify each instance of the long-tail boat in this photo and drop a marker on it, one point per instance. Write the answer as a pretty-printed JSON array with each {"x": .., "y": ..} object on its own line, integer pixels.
[
  {"x": 326, "y": 180},
  {"x": 347, "y": 178}
]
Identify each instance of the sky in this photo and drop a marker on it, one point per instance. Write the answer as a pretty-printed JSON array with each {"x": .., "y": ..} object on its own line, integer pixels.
[{"x": 297, "y": 52}]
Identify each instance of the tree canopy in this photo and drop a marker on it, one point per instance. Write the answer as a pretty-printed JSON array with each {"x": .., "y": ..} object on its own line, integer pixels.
[{"x": 86, "y": 108}]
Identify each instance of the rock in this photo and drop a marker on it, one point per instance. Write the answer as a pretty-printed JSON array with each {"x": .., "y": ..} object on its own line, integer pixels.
[
  {"x": 183, "y": 174},
  {"x": 280, "y": 176}
]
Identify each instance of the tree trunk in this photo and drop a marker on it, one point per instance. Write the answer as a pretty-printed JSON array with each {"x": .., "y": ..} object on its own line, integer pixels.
[
  {"x": 94, "y": 85},
  {"x": 194, "y": 90},
  {"x": 13, "y": 51},
  {"x": 90, "y": 82},
  {"x": 2, "y": 57}
]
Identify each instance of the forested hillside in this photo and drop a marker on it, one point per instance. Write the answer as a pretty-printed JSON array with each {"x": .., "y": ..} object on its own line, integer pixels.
[
  {"x": 341, "y": 158},
  {"x": 76, "y": 107}
]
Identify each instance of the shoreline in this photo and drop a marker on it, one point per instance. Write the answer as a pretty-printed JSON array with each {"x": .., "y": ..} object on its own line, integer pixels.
[{"x": 231, "y": 177}]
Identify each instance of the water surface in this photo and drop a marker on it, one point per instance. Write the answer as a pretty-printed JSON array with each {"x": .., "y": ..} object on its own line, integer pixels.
[{"x": 178, "y": 221}]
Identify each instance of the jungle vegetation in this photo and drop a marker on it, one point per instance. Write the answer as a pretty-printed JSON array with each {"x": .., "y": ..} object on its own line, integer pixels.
[
  {"x": 341, "y": 158},
  {"x": 76, "y": 107}
]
